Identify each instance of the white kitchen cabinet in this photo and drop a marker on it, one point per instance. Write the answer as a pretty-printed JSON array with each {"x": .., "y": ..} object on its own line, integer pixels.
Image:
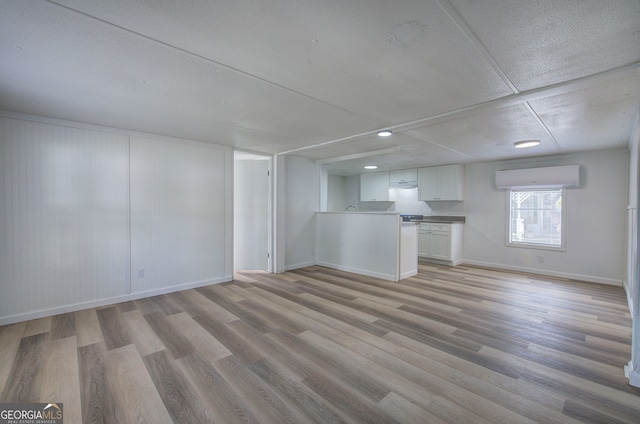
[
  {"x": 440, "y": 242},
  {"x": 402, "y": 176},
  {"x": 441, "y": 183},
  {"x": 423, "y": 240},
  {"x": 374, "y": 187}
]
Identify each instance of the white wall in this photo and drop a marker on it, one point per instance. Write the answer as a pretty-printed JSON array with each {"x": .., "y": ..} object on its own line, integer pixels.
[
  {"x": 300, "y": 190},
  {"x": 596, "y": 219},
  {"x": 82, "y": 208},
  {"x": 337, "y": 194},
  {"x": 632, "y": 281},
  {"x": 179, "y": 209},
  {"x": 352, "y": 191},
  {"x": 64, "y": 221}
]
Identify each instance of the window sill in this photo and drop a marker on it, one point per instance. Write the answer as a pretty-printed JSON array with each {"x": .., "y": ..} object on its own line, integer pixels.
[{"x": 537, "y": 246}]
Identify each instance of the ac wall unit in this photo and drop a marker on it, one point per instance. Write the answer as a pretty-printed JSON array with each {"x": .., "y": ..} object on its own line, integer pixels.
[{"x": 548, "y": 177}]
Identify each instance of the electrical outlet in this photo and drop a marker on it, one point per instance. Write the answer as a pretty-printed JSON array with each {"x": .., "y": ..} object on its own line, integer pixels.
[
  {"x": 540, "y": 259},
  {"x": 140, "y": 273}
]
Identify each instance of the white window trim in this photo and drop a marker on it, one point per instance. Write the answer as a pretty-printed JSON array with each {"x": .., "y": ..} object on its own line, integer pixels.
[{"x": 563, "y": 225}]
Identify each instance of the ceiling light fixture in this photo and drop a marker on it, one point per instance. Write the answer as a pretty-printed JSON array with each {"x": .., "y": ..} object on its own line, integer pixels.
[
  {"x": 370, "y": 167},
  {"x": 384, "y": 133},
  {"x": 525, "y": 143}
]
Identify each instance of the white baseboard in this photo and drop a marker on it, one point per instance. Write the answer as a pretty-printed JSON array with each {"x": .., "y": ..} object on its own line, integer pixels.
[
  {"x": 632, "y": 375},
  {"x": 580, "y": 277},
  {"x": 408, "y": 274},
  {"x": 11, "y": 319},
  {"x": 368, "y": 273},
  {"x": 300, "y": 265}
]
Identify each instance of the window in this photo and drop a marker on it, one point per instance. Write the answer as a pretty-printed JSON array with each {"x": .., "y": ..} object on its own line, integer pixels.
[{"x": 536, "y": 219}]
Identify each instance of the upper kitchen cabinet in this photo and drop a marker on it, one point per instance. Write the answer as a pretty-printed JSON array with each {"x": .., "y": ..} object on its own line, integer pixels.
[
  {"x": 374, "y": 187},
  {"x": 403, "y": 177},
  {"x": 441, "y": 183}
]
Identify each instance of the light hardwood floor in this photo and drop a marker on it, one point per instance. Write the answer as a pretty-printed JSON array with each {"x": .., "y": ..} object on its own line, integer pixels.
[{"x": 454, "y": 345}]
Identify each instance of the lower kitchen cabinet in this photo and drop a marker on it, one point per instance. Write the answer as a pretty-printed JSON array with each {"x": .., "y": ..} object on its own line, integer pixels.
[{"x": 440, "y": 242}]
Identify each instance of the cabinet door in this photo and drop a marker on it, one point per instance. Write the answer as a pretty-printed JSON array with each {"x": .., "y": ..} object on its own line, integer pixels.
[
  {"x": 381, "y": 186},
  {"x": 449, "y": 182},
  {"x": 366, "y": 187},
  {"x": 428, "y": 183},
  {"x": 423, "y": 244},
  {"x": 411, "y": 174},
  {"x": 374, "y": 187},
  {"x": 440, "y": 245},
  {"x": 403, "y": 175},
  {"x": 396, "y": 176}
]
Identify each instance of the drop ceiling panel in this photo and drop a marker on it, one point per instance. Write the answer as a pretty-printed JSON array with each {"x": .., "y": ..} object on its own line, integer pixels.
[
  {"x": 368, "y": 143},
  {"x": 40, "y": 100},
  {"x": 164, "y": 85},
  {"x": 402, "y": 158},
  {"x": 390, "y": 61},
  {"x": 598, "y": 116},
  {"x": 277, "y": 76},
  {"x": 489, "y": 134},
  {"x": 540, "y": 43}
]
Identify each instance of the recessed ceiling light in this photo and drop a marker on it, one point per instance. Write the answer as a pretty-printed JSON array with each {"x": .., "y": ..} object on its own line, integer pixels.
[
  {"x": 384, "y": 133},
  {"x": 370, "y": 167},
  {"x": 525, "y": 143}
]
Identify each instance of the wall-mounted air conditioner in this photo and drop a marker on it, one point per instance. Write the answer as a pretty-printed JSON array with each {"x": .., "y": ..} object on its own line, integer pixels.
[{"x": 548, "y": 177}]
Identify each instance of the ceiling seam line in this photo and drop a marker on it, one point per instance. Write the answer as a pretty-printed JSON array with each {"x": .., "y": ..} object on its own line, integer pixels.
[
  {"x": 426, "y": 140},
  {"x": 453, "y": 14},
  {"x": 543, "y": 125},
  {"x": 208, "y": 60},
  {"x": 69, "y": 123},
  {"x": 512, "y": 99}
]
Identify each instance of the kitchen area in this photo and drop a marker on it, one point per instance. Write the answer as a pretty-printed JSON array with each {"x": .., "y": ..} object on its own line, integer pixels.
[{"x": 380, "y": 223}]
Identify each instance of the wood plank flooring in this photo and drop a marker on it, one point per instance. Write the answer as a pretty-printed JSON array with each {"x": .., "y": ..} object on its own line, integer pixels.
[{"x": 315, "y": 345}]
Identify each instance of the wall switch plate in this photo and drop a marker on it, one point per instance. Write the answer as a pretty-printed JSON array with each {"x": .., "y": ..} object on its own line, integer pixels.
[{"x": 140, "y": 273}]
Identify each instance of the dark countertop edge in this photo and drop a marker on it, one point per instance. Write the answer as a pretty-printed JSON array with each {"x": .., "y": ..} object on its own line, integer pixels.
[{"x": 442, "y": 219}]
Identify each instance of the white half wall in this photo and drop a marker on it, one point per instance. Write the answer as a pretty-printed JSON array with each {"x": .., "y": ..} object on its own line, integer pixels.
[
  {"x": 596, "y": 219},
  {"x": 83, "y": 208},
  {"x": 363, "y": 243}
]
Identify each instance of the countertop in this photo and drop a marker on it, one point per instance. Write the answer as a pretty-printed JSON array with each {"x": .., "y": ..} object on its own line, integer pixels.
[{"x": 442, "y": 219}]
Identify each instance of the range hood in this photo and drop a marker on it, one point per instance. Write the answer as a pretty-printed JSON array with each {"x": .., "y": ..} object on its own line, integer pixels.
[{"x": 403, "y": 184}]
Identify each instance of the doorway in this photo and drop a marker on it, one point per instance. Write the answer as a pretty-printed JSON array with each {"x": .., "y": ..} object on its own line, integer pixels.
[{"x": 251, "y": 212}]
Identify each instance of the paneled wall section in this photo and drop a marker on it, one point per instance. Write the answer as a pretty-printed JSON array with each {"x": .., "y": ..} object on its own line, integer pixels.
[{"x": 81, "y": 210}]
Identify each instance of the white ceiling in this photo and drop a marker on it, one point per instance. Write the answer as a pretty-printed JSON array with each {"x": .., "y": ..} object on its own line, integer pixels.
[{"x": 457, "y": 80}]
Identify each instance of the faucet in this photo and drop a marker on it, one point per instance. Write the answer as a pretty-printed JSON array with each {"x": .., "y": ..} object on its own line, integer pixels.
[{"x": 351, "y": 206}]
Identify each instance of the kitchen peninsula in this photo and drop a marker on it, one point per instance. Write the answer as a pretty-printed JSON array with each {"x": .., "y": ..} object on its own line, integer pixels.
[{"x": 376, "y": 244}]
